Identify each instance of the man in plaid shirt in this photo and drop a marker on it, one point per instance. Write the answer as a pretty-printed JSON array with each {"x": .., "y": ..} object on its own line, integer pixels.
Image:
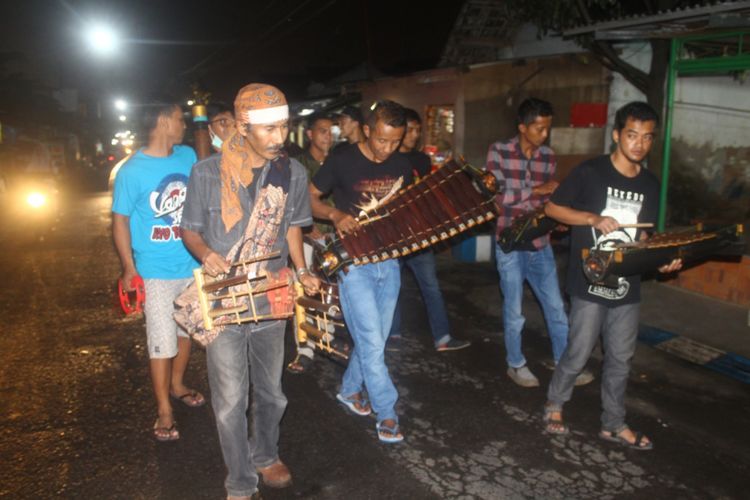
[{"x": 526, "y": 167}]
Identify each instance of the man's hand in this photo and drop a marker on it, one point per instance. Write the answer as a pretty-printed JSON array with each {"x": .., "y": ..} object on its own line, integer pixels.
[
  {"x": 545, "y": 189},
  {"x": 343, "y": 222},
  {"x": 672, "y": 267},
  {"x": 310, "y": 282},
  {"x": 214, "y": 264},
  {"x": 605, "y": 224},
  {"x": 127, "y": 279},
  {"x": 315, "y": 233}
]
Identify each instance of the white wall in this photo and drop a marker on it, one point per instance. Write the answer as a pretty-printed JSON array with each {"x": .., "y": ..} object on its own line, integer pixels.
[{"x": 712, "y": 110}]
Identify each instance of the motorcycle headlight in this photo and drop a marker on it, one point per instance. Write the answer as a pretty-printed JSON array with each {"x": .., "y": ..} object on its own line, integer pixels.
[{"x": 36, "y": 199}]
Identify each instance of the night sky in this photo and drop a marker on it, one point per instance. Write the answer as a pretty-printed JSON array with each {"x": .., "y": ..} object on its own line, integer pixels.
[{"x": 222, "y": 44}]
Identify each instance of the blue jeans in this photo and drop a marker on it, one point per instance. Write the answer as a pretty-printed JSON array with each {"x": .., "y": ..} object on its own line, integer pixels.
[
  {"x": 368, "y": 297},
  {"x": 239, "y": 355},
  {"x": 619, "y": 330},
  {"x": 538, "y": 268},
  {"x": 422, "y": 265}
]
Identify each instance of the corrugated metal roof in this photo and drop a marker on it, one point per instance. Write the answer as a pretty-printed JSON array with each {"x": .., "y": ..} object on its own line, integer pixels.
[{"x": 670, "y": 22}]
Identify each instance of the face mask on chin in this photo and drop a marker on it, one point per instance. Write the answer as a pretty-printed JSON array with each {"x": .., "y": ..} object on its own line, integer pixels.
[{"x": 216, "y": 141}]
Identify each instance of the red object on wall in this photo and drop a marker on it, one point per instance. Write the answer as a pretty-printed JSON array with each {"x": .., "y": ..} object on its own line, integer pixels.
[{"x": 588, "y": 114}]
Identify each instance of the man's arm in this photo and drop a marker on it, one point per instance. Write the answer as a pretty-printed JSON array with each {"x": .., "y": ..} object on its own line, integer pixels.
[
  {"x": 294, "y": 241},
  {"x": 213, "y": 263},
  {"x": 342, "y": 221},
  {"x": 573, "y": 217},
  {"x": 121, "y": 235}
]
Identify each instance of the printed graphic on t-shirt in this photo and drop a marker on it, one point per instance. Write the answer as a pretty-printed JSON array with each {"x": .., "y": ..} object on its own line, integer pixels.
[
  {"x": 167, "y": 202},
  {"x": 377, "y": 191},
  {"x": 624, "y": 207}
]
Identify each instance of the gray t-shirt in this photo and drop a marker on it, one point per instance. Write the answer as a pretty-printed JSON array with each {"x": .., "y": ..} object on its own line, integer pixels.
[{"x": 202, "y": 210}]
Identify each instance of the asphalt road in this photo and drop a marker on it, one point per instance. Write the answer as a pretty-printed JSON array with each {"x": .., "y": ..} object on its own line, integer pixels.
[{"x": 77, "y": 407}]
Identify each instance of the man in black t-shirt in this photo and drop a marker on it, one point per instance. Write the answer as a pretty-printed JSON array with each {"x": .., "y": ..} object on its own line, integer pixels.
[
  {"x": 360, "y": 176},
  {"x": 599, "y": 200}
]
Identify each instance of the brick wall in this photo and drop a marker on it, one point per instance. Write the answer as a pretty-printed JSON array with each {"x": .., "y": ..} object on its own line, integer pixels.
[{"x": 729, "y": 281}]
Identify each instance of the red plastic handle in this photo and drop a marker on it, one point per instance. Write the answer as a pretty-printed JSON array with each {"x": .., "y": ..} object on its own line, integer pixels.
[{"x": 132, "y": 301}]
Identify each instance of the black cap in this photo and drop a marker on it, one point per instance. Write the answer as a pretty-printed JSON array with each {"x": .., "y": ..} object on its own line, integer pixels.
[{"x": 353, "y": 113}]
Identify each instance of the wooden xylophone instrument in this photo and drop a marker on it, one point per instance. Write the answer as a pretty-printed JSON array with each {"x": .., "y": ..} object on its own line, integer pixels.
[
  {"x": 525, "y": 229},
  {"x": 454, "y": 198},
  {"x": 607, "y": 266}
]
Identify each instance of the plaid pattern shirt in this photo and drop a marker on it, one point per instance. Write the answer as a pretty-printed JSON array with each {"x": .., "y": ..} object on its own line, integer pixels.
[{"x": 520, "y": 175}]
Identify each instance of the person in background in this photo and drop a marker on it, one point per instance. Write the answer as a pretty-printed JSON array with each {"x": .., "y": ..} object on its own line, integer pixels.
[
  {"x": 319, "y": 142},
  {"x": 220, "y": 125},
  {"x": 350, "y": 124},
  {"x": 147, "y": 204},
  {"x": 422, "y": 264}
]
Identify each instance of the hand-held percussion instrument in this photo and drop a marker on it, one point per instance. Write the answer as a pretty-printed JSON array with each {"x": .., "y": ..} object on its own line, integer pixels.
[
  {"x": 451, "y": 200},
  {"x": 317, "y": 317},
  {"x": 524, "y": 229},
  {"x": 132, "y": 301},
  {"x": 606, "y": 266},
  {"x": 233, "y": 298}
]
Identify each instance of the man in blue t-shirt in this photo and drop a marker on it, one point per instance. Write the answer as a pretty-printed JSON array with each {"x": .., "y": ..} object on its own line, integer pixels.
[
  {"x": 602, "y": 200},
  {"x": 147, "y": 205}
]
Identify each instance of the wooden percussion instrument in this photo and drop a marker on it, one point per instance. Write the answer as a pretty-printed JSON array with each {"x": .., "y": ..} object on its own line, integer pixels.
[
  {"x": 606, "y": 266},
  {"x": 454, "y": 198},
  {"x": 525, "y": 229},
  {"x": 235, "y": 299},
  {"x": 318, "y": 318}
]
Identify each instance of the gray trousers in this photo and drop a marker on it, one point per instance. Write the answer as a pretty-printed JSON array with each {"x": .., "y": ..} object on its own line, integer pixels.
[
  {"x": 241, "y": 355},
  {"x": 618, "y": 327}
]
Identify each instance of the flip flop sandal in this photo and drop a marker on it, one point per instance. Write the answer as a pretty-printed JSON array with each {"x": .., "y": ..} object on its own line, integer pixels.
[
  {"x": 164, "y": 434},
  {"x": 389, "y": 434},
  {"x": 351, "y": 405},
  {"x": 300, "y": 365},
  {"x": 638, "y": 444},
  {"x": 190, "y": 399},
  {"x": 554, "y": 425}
]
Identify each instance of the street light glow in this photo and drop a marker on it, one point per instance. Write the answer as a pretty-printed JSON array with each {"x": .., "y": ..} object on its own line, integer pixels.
[
  {"x": 121, "y": 104},
  {"x": 123, "y": 118},
  {"x": 102, "y": 39}
]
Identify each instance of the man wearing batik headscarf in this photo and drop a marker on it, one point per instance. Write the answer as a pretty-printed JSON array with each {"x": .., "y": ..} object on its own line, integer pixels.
[{"x": 251, "y": 200}]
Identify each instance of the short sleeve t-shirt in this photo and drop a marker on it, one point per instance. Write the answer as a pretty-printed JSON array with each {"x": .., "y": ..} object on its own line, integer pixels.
[
  {"x": 596, "y": 186},
  {"x": 356, "y": 181},
  {"x": 420, "y": 163},
  {"x": 203, "y": 207},
  {"x": 151, "y": 192}
]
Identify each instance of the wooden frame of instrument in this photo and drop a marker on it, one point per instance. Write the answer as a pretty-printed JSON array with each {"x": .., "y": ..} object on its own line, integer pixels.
[{"x": 254, "y": 285}]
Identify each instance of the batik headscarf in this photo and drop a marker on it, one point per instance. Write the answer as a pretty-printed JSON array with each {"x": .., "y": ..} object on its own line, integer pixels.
[{"x": 255, "y": 104}]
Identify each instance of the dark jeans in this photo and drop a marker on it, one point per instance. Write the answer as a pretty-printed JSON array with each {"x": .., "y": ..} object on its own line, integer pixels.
[
  {"x": 618, "y": 327},
  {"x": 422, "y": 265},
  {"x": 239, "y": 355}
]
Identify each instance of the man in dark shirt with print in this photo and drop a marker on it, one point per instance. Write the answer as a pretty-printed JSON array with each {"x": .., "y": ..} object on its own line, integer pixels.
[
  {"x": 599, "y": 199},
  {"x": 356, "y": 176}
]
